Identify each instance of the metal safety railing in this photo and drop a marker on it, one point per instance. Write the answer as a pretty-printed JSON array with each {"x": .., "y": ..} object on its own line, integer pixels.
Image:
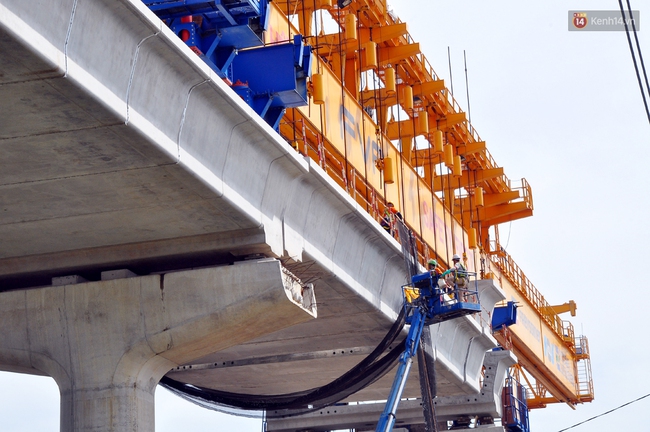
[
  {"x": 515, "y": 407},
  {"x": 515, "y": 275},
  {"x": 450, "y": 290},
  {"x": 585, "y": 383}
]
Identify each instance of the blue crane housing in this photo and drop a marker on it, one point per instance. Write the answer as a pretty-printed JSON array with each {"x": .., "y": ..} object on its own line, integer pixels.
[{"x": 228, "y": 36}]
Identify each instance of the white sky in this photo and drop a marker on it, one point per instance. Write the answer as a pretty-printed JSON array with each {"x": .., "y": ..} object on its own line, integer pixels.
[{"x": 562, "y": 109}]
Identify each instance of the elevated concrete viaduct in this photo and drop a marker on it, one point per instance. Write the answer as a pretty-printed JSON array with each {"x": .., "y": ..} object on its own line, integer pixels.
[{"x": 146, "y": 217}]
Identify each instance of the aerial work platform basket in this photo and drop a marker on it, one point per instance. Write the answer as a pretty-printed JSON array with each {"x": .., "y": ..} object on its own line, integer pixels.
[{"x": 441, "y": 300}]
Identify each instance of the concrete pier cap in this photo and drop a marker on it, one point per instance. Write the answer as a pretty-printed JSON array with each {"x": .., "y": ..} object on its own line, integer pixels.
[{"x": 108, "y": 343}]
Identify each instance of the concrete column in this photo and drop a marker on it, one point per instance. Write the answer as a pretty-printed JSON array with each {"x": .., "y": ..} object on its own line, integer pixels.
[{"x": 108, "y": 343}]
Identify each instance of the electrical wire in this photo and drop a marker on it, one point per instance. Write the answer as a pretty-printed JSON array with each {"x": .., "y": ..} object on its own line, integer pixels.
[
  {"x": 451, "y": 79},
  {"x": 508, "y": 240},
  {"x": 365, "y": 142},
  {"x": 636, "y": 66},
  {"x": 606, "y": 412},
  {"x": 638, "y": 48},
  {"x": 469, "y": 111}
]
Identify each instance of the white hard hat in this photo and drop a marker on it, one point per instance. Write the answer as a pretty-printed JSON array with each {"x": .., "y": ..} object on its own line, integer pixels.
[{"x": 455, "y": 257}]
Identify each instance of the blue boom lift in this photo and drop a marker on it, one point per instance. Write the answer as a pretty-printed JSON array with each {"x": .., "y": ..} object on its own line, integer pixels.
[{"x": 429, "y": 304}]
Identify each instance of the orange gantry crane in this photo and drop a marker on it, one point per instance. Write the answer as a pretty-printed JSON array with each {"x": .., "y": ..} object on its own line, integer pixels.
[
  {"x": 365, "y": 104},
  {"x": 384, "y": 126}
]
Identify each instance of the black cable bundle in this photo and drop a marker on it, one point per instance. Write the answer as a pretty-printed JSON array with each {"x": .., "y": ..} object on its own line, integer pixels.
[{"x": 369, "y": 370}]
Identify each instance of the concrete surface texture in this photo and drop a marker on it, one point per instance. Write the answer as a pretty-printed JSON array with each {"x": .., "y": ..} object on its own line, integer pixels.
[
  {"x": 108, "y": 343},
  {"x": 122, "y": 150}
]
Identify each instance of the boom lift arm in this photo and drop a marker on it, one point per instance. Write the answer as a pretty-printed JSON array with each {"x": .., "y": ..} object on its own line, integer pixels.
[{"x": 431, "y": 304}]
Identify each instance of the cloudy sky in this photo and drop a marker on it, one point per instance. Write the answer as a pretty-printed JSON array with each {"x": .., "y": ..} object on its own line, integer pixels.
[{"x": 564, "y": 110}]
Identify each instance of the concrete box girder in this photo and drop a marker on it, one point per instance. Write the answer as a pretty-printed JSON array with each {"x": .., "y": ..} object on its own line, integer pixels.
[{"x": 202, "y": 180}]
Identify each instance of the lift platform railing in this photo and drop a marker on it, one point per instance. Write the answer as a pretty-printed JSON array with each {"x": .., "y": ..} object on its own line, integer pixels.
[{"x": 450, "y": 299}]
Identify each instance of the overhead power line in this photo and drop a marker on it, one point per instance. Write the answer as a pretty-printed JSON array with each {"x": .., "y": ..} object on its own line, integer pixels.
[
  {"x": 606, "y": 412},
  {"x": 638, "y": 48},
  {"x": 636, "y": 66}
]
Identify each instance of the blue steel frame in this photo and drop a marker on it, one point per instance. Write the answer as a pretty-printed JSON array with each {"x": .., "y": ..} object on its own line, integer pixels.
[
  {"x": 228, "y": 36},
  {"x": 515, "y": 406}
]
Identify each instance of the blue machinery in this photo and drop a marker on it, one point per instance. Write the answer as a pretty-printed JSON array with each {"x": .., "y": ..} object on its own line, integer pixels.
[
  {"x": 431, "y": 304},
  {"x": 228, "y": 36},
  {"x": 515, "y": 407}
]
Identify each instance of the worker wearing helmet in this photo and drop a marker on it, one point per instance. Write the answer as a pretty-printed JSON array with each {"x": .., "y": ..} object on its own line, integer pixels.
[
  {"x": 460, "y": 272},
  {"x": 435, "y": 271},
  {"x": 391, "y": 214},
  {"x": 432, "y": 265},
  {"x": 456, "y": 276}
]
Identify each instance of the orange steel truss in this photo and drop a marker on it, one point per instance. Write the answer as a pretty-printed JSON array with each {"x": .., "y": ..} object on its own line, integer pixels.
[{"x": 385, "y": 128}]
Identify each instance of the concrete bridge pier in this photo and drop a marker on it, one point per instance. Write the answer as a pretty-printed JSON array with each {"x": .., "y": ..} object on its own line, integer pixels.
[{"x": 108, "y": 343}]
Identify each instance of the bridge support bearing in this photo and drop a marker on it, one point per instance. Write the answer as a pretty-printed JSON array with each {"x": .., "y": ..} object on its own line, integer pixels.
[{"x": 108, "y": 343}]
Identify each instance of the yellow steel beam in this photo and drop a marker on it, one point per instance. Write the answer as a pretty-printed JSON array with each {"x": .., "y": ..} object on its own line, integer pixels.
[
  {"x": 428, "y": 87},
  {"x": 540, "y": 402},
  {"x": 391, "y": 55},
  {"x": 509, "y": 217},
  {"x": 449, "y": 121},
  {"x": 569, "y": 306},
  {"x": 488, "y": 215},
  {"x": 471, "y": 148},
  {"x": 293, "y": 7},
  {"x": 383, "y": 33},
  {"x": 492, "y": 199},
  {"x": 447, "y": 180},
  {"x": 494, "y": 212},
  {"x": 370, "y": 97},
  {"x": 331, "y": 43},
  {"x": 427, "y": 155},
  {"x": 400, "y": 129},
  {"x": 374, "y": 12},
  {"x": 304, "y": 11}
]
